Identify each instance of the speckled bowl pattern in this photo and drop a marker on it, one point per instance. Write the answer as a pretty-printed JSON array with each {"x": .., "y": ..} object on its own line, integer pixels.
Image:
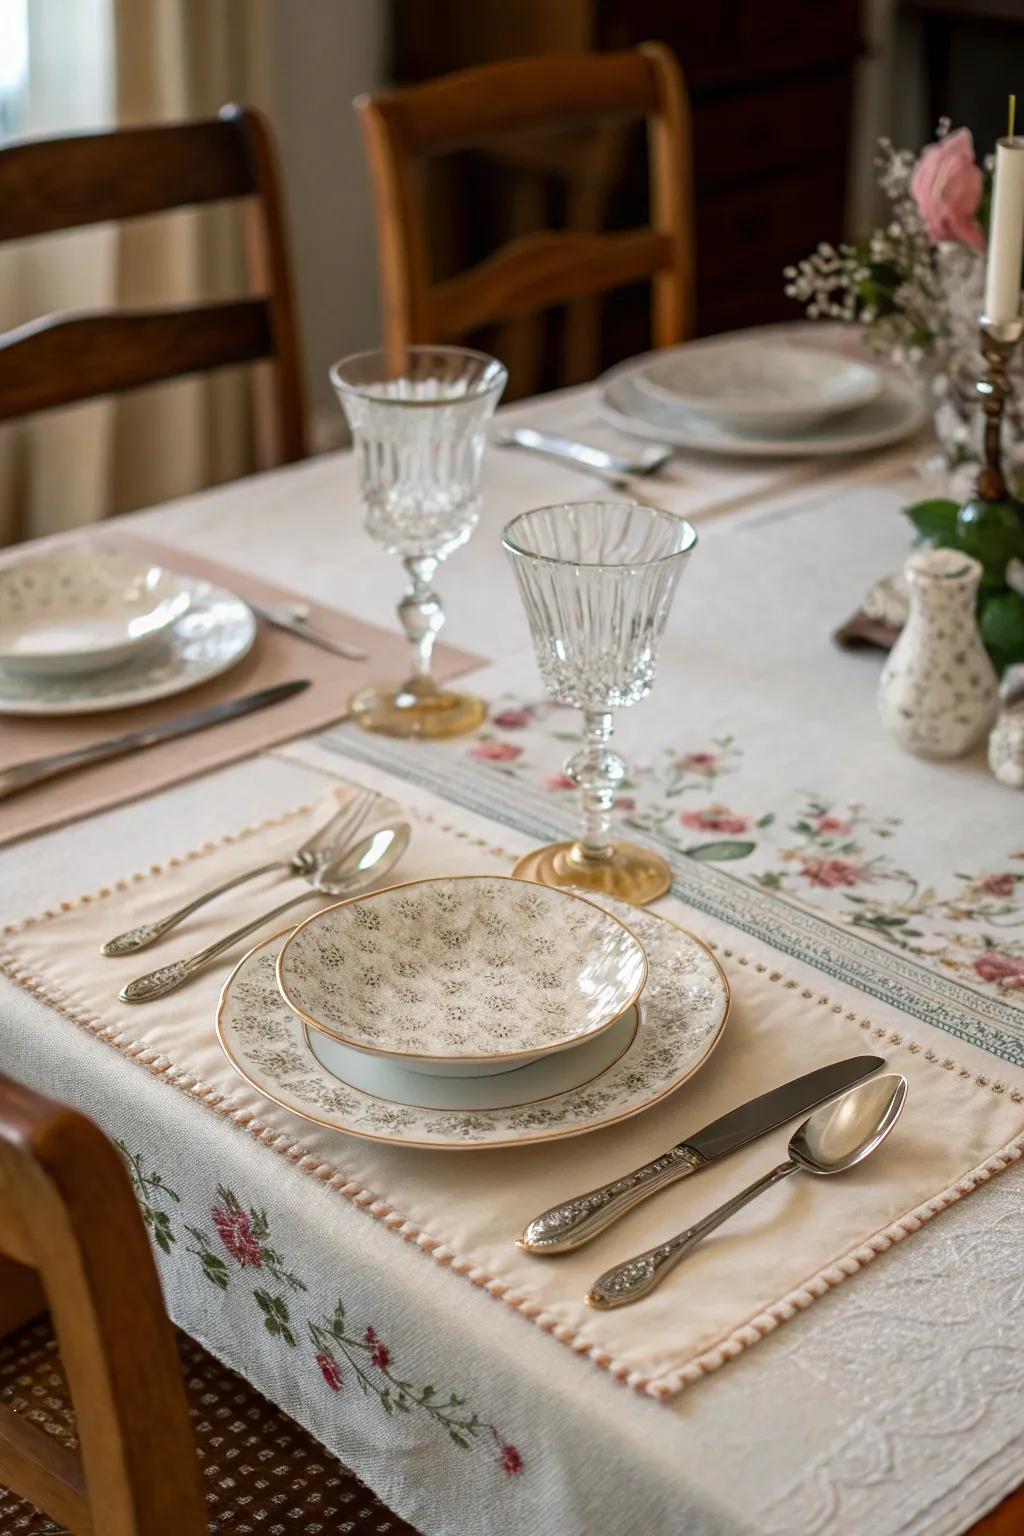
[{"x": 467, "y": 973}]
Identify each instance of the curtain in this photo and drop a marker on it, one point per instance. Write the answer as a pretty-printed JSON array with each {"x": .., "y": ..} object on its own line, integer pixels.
[{"x": 131, "y": 62}]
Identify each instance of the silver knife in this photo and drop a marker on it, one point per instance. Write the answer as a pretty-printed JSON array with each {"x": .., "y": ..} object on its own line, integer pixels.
[
  {"x": 21, "y": 775},
  {"x": 574, "y": 1222},
  {"x": 304, "y": 630}
]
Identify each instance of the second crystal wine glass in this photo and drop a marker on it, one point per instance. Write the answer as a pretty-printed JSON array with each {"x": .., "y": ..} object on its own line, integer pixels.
[
  {"x": 418, "y": 416},
  {"x": 597, "y": 580}
]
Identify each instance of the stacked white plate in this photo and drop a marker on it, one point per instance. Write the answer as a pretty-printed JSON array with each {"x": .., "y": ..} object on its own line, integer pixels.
[
  {"x": 472, "y": 1011},
  {"x": 757, "y": 397},
  {"x": 86, "y": 630}
]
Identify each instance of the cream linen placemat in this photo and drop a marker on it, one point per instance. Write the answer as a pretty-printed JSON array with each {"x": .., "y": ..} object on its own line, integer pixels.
[
  {"x": 465, "y": 1208},
  {"x": 276, "y": 657}
]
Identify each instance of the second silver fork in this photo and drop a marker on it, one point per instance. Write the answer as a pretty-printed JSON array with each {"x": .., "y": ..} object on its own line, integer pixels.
[{"x": 327, "y": 841}]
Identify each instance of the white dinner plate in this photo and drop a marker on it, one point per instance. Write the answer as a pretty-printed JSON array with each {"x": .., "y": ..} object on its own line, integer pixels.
[
  {"x": 215, "y": 633},
  {"x": 82, "y": 610},
  {"x": 682, "y": 1011},
  {"x": 763, "y": 386},
  {"x": 896, "y": 412}
]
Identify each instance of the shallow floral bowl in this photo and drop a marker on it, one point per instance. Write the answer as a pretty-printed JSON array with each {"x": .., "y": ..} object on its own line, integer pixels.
[
  {"x": 770, "y": 386},
  {"x": 78, "y": 611},
  {"x": 462, "y": 976}
]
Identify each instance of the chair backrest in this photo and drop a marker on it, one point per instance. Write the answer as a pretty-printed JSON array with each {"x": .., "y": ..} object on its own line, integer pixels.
[
  {"x": 91, "y": 178},
  {"x": 72, "y": 1237},
  {"x": 546, "y": 268}
]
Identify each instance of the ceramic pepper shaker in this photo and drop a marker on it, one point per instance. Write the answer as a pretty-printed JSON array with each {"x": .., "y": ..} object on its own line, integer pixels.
[
  {"x": 1006, "y": 743},
  {"x": 939, "y": 692}
]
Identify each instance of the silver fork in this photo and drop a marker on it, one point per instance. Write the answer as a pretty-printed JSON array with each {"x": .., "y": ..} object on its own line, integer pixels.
[{"x": 315, "y": 852}]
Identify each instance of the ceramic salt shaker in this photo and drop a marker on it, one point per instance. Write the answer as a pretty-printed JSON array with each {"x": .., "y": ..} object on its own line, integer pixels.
[
  {"x": 939, "y": 692},
  {"x": 1006, "y": 743}
]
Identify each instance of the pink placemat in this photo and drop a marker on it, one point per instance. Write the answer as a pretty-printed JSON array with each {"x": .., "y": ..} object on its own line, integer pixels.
[{"x": 276, "y": 657}]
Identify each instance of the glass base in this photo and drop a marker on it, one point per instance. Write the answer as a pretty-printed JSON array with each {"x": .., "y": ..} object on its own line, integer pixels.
[
  {"x": 633, "y": 873},
  {"x": 416, "y": 709}
]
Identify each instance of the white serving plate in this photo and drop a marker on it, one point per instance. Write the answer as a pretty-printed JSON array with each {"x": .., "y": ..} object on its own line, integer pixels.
[
  {"x": 213, "y": 635},
  {"x": 462, "y": 976},
  {"x": 758, "y": 386},
  {"x": 897, "y": 412},
  {"x": 682, "y": 1014},
  {"x": 70, "y": 612}
]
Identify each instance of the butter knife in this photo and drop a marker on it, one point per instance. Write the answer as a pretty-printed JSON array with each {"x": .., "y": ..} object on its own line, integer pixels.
[
  {"x": 294, "y": 623},
  {"x": 21, "y": 775},
  {"x": 569, "y": 1225}
]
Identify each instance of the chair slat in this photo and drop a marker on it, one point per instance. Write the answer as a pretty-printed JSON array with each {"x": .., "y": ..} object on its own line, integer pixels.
[
  {"x": 539, "y": 93},
  {"x": 60, "y": 359},
  {"x": 91, "y": 178},
  {"x": 542, "y": 270},
  {"x": 45, "y": 1472}
]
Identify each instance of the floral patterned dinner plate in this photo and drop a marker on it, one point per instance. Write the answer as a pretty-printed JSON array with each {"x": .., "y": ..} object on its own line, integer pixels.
[
  {"x": 682, "y": 1013},
  {"x": 215, "y": 633}
]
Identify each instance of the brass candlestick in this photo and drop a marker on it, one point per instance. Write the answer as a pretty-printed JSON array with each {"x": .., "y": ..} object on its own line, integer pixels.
[{"x": 998, "y": 340}]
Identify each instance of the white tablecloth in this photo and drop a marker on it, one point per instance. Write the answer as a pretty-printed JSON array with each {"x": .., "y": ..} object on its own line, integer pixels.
[{"x": 893, "y": 1406}]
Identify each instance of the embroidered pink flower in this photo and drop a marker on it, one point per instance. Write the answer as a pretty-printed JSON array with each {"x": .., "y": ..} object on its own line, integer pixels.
[
  {"x": 834, "y": 826},
  {"x": 998, "y": 885},
  {"x": 495, "y": 752},
  {"x": 830, "y": 872},
  {"x": 714, "y": 818},
  {"x": 381, "y": 1355},
  {"x": 235, "y": 1231},
  {"x": 511, "y": 719},
  {"x": 510, "y": 1459},
  {"x": 559, "y": 781},
  {"x": 1007, "y": 970},
  {"x": 624, "y": 803},
  {"x": 946, "y": 186},
  {"x": 330, "y": 1370},
  {"x": 703, "y": 763}
]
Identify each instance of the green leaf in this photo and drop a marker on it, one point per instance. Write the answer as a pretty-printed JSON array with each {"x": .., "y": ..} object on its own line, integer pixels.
[
  {"x": 1002, "y": 628},
  {"x": 993, "y": 532},
  {"x": 766, "y": 821},
  {"x": 934, "y": 520},
  {"x": 707, "y": 853}
]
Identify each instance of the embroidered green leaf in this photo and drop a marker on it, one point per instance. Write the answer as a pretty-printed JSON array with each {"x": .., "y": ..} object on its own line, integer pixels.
[{"x": 719, "y": 852}]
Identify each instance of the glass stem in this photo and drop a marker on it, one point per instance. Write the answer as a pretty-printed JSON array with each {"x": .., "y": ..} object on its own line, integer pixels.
[
  {"x": 598, "y": 772},
  {"x": 422, "y": 615}
]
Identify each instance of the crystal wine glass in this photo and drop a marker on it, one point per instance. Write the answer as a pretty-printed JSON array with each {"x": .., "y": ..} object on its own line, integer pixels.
[
  {"x": 417, "y": 416},
  {"x": 597, "y": 579}
]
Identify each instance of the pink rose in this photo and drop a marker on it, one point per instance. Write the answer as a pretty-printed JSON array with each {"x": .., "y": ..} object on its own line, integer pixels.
[
  {"x": 830, "y": 873},
  {"x": 703, "y": 763},
  {"x": 716, "y": 818},
  {"x": 559, "y": 781},
  {"x": 624, "y": 803},
  {"x": 381, "y": 1355},
  {"x": 946, "y": 186},
  {"x": 1007, "y": 970},
  {"x": 495, "y": 752},
  {"x": 998, "y": 885},
  {"x": 835, "y": 826},
  {"x": 330, "y": 1370},
  {"x": 235, "y": 1231},
  {"x": 511, "y": 719}
]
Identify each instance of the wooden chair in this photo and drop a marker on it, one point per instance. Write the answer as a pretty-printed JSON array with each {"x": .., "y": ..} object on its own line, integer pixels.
[
  {"x": 91, "y": 178},
  {"x": 539, "y": 270},
  {"x": 127, "y": 1445}
]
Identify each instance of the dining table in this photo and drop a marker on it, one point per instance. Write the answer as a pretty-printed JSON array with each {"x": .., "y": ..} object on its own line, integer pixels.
[{"x": 857, "y": 899}]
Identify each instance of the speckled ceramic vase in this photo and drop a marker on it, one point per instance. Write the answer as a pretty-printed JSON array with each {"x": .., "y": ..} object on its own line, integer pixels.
[{"x": 939, "y": 692}]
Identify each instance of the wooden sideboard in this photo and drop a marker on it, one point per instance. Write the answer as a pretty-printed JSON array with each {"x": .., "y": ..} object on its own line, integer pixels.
[{"x": 771, "y": 86}]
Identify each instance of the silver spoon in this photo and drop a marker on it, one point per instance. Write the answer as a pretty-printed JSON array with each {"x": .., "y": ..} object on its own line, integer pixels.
[
  {"x": 371, "y": 857},
  {"x": 834, "y": 1138},
  {"x": 335, "y": 837}
]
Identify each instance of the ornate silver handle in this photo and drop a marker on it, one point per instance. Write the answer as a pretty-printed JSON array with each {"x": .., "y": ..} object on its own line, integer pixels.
[
  {"x": 169, "y": 977},
  {"x": 148, "y": 933},
  {"x": 574, "y": 1222},
  {"x": 639, "y": 1276}
]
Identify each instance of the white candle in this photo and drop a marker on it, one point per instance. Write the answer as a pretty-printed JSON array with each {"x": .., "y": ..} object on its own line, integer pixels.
[{"x": 1006, "y": 234}]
